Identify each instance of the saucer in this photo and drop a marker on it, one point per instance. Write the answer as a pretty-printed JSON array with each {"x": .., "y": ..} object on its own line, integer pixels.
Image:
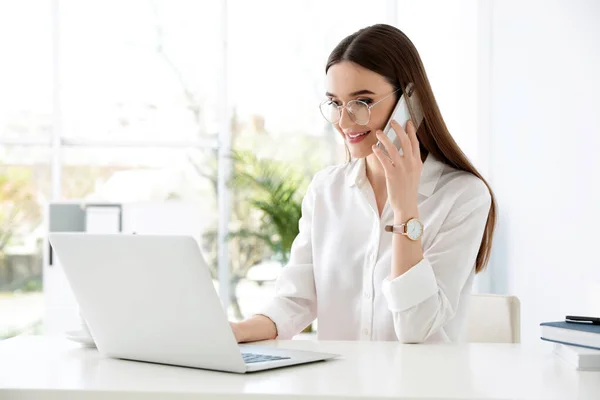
[{"x": 81, "y": 338}]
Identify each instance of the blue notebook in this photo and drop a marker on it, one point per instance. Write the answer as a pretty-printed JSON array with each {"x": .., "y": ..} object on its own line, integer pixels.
[{"x": 571, "y": 333}]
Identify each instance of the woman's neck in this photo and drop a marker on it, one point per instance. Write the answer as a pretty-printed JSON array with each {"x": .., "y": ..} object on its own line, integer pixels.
[{"x": 375, "y": 172}]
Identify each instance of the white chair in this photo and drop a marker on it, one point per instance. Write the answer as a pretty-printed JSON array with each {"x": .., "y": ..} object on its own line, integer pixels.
[{"x": 494, "y": 318}]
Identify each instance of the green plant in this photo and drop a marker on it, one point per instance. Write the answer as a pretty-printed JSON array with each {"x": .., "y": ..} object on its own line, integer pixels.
[
  {"x": 34, "y": 284},
  {"x": 19, "y": 213},
  {"x": 17, "y": 201},
  {"x": 275, "y": 190}
]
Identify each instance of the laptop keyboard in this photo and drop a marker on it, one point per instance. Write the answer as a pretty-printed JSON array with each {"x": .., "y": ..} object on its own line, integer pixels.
[{"x": 250, "y": 358}]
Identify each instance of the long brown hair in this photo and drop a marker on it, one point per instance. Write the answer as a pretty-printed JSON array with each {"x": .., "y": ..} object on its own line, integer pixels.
[{"x": 387, "y": 51}]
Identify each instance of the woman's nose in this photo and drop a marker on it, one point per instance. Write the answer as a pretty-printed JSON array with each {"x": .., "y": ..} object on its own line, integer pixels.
[{"x": 345, "y": 120}]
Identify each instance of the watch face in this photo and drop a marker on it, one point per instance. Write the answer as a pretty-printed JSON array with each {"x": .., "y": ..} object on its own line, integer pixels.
[{"x": 414, "y": 229}]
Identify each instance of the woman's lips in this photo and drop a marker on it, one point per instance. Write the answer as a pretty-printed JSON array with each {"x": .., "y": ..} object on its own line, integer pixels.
[{"x": 355, "y": 137}]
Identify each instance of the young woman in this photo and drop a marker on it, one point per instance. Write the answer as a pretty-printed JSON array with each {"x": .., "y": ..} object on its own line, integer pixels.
[{"x": 389, "y": 244}]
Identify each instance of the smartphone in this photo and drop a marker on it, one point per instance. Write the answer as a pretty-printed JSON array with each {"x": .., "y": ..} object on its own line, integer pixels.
[
  {"x": 407, "y": 107},
  {"x": 581, "y": 319}
]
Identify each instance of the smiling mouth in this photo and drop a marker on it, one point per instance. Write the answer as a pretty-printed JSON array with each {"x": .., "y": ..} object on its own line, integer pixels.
[{"x": 356, "y": 135}]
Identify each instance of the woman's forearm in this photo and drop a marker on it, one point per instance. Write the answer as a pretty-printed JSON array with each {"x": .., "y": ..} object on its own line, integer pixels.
[{"x": 258, "y": 327}]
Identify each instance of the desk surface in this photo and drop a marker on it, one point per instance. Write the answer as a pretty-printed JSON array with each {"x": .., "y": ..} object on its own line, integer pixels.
[{"x": 54, "y": 368}]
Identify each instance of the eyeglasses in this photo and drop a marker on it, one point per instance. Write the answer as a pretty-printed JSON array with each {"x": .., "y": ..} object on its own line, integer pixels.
[{"x": 358, "y": 111}]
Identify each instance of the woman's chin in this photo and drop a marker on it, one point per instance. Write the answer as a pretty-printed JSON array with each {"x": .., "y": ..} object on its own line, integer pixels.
[{"x": 361, "y": 150}]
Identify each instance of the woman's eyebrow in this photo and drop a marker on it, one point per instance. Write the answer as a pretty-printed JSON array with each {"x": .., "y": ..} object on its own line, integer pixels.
[{"x": 357, "y": 93}]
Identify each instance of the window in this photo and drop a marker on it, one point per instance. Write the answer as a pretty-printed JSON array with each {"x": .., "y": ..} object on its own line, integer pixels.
[
  {"x": 131, "y": 102},
  {"x": 25, "y": 126},
  {"x": 24, "y": 177},
  {"x": 139, "y": 70},
  {"x": 140, "y": 174},
  {"x": 26, "y": 71}
]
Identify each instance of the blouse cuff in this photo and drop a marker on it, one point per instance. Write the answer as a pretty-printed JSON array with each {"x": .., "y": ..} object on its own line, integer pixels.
[
  {"x": 281, "y": 318},
  {"x": 411, "y": 288}
]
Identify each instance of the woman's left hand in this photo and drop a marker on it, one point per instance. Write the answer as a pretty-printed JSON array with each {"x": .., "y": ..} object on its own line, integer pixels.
[{"x": 402, "y": 172}]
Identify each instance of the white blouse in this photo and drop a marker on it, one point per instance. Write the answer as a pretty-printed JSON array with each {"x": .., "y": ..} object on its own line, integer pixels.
[{"x": 340, "y": 260}]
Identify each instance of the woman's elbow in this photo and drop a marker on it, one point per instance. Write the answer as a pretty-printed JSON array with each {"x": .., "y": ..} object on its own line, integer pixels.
[
  {"x": 421, "y": 328},
  {"x": 411, "y": 336}
]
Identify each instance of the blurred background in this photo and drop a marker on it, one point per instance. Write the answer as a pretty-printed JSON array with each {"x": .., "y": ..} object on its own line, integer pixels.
[{"x": 201, "y": 118}]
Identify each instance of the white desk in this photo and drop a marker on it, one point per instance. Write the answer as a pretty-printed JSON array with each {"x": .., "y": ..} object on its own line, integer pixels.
[{"x": 53, "y": 368}]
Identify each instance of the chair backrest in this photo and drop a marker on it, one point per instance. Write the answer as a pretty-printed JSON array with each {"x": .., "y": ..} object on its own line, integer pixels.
[{"x": 494, "y": 318}]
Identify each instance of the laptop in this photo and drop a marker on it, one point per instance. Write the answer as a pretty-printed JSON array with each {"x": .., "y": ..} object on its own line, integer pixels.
[{"x": 151, "y": 298}]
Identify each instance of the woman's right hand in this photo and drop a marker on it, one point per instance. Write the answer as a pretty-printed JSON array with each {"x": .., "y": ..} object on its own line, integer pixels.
[
  {"x": 237, "y": 331},
  {"x": 255, "y": 328}
]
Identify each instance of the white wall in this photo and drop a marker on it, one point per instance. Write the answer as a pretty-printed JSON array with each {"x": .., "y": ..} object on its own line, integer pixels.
[{"x": 545, "y": 156}]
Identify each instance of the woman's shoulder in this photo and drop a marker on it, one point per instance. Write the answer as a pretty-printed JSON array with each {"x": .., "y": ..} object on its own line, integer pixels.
[{"x": 330, "y": 175}]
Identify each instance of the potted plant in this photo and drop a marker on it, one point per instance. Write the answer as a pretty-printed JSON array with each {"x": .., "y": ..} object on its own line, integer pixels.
[{"x": 275, "y": 190}]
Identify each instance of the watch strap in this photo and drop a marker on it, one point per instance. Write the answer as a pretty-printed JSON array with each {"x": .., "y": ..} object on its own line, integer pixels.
[{"x": 399, "y": 228}]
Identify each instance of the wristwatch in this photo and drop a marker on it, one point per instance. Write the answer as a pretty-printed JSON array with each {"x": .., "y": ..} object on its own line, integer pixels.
[{"x": 413, "y": 229}]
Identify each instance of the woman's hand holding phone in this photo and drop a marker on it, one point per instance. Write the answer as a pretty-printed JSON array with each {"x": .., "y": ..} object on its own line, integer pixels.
[{"x": 402, "y": 171}]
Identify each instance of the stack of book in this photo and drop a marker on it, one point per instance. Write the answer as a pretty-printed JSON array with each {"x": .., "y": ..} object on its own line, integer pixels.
[{"x": 576, "y": 342}]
